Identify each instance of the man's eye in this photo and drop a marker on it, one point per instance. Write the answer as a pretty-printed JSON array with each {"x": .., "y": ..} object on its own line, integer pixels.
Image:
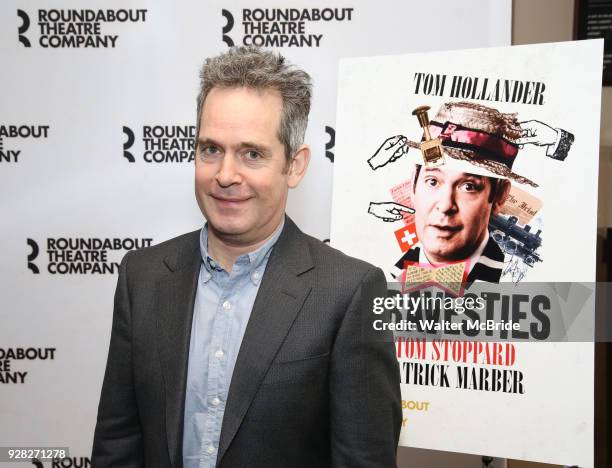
[
  {"x": 252, "y": 155},
  {"x": 208, "y": 150},
  {"x": 431, "y": 181},
  {"x": 470, "y": 187}
]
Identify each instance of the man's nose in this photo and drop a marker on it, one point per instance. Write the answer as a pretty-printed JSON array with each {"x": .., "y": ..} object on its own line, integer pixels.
[
  {"x": 229, "y": 171},
  {"x": 445, "y": 200}
]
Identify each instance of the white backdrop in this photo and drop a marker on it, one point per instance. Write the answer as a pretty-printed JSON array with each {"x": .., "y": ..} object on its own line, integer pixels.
[{"x": 82, "y": 111}]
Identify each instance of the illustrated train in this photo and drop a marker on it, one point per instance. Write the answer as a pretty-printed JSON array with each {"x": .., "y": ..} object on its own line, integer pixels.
[{"x": 515, "y": 239}]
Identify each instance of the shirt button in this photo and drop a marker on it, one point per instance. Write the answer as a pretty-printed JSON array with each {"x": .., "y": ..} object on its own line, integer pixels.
[
  {"x": 219, "y": 353},
  {"x": 227, "y": 305},
  {"x": 210, "y": 449},
  {"x": 215, "y": 401}
]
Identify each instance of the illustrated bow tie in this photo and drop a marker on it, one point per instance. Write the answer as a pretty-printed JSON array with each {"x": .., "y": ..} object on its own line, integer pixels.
[{"x": 449, "y": 277}]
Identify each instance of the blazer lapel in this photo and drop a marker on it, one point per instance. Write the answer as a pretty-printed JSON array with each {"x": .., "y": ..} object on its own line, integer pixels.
[
  {"x": 279, "y": 300},
  {"x": 177, "y": 292}
]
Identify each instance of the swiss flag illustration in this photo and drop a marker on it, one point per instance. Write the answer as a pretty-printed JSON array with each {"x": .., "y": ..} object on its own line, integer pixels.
[{"x": 406, "y": 237}]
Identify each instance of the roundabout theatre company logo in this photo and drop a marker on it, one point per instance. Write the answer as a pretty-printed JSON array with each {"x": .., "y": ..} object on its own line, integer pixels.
[
  {"x": 74, "y": 28},
  {"x": 160, "y": 144},
  {"x": 11, "y": 360},
  {"x": 81, "y": 256},
  {"x": 280, "y": 27},
  {"x": 8, "y": 153}
]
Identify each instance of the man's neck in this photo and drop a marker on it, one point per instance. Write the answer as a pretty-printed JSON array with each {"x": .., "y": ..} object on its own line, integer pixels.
[{"x": 226, "y": 250}]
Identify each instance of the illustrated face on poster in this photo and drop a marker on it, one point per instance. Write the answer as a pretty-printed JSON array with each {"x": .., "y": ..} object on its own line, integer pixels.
[
  {"x": 461, "y": 216},
  {"x": 479, "y": 167}
]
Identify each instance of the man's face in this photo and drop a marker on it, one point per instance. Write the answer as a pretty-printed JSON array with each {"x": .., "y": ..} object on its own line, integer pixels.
[
  {"x": 241, "y": 175},
  {"x": 452, "y": 211}
]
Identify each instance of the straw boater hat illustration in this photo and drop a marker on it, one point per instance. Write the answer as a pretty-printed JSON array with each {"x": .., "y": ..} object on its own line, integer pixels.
[{"x": 480, "y": 135}]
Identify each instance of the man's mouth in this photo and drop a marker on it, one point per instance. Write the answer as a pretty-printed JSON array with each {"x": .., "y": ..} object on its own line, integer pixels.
[
  {"x": 447, "y": 228},
  {"x": 230, "y": 200}
]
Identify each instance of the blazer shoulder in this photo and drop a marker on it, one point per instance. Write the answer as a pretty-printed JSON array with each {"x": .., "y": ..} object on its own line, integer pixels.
[
  {"x": 339, "y": 278},
  {"x": 168, "y": 251}
]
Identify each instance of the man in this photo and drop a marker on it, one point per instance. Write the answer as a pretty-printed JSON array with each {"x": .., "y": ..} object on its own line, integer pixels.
[{"x": 241, "y": 344}]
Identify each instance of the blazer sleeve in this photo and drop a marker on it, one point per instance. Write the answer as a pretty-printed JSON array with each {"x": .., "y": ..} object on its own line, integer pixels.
[
  {"x": 365, "y": 401},
  {"x": 118, "y": 438}
]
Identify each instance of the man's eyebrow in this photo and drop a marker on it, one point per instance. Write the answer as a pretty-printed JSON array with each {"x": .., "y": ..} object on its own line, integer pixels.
[
  {"x": 245, "y": 144},
  {"x": 261, "y": 148},
  {"x": 207, "y": 141},
  {"x": 476, "y": 176}
]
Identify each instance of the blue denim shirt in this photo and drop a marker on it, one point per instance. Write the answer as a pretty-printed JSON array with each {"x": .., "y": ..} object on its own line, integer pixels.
[{"x": 221, "y": 311}]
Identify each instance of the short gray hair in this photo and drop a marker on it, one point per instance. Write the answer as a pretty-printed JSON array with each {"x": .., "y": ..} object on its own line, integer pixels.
[{"x": 256, "y": 68}]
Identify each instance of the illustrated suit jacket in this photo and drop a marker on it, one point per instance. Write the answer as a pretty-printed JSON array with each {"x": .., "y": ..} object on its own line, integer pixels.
[{"x": 311, "y": 387}]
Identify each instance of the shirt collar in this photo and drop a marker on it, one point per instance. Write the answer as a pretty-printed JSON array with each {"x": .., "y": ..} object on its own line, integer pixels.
[{"x": 253, "y": 259}]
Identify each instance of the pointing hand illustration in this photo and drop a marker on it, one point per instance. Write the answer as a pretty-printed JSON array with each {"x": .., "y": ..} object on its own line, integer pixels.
[
  {"x": 388, "y": 211},
  {"x": 537, "y": 133},
  {"x": 392, "y": 149}
]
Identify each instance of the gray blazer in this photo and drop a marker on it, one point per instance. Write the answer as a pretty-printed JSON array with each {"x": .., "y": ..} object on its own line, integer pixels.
[{"x": 312, "y": 387}]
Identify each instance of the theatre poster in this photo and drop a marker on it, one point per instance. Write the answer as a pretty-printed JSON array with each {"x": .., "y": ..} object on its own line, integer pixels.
[{"x": 473, "y": 174}]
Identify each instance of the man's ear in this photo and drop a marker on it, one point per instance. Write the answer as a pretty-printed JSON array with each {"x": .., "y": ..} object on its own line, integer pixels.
[
  {"x": 298, "y": 166},
  {"x": 503, "y": 190}
]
